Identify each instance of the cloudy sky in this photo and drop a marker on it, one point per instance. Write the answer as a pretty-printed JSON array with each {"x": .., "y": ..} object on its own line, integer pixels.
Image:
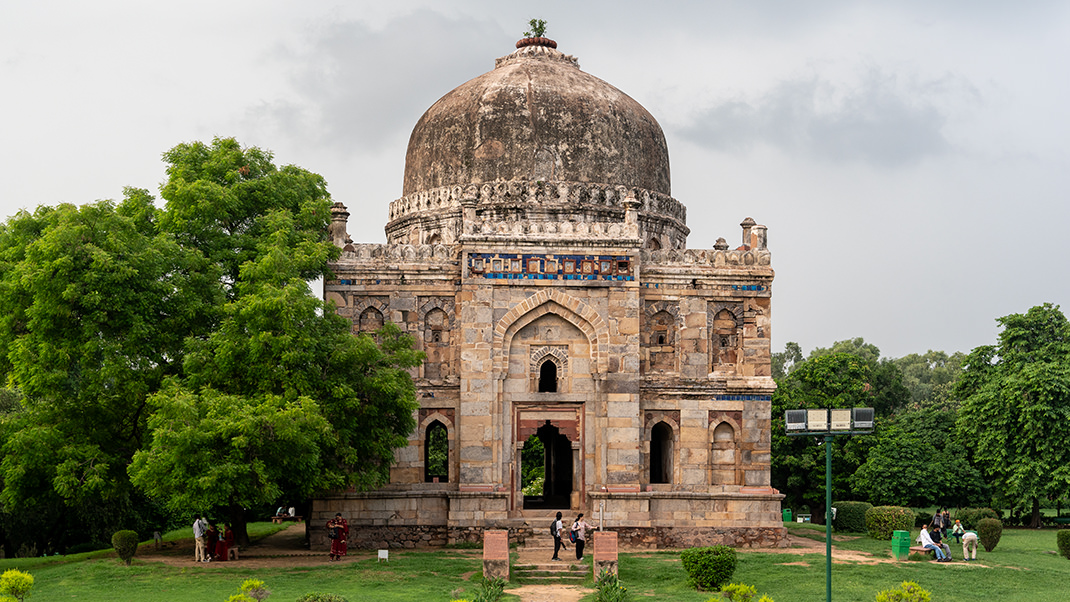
[{"x": 911, "y": 158}]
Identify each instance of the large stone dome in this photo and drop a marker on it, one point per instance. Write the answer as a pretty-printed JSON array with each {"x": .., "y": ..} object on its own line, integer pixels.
[{"x": 536, "y": 117}]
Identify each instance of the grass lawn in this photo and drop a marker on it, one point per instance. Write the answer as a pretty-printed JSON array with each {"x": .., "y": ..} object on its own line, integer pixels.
[{"x": 1019, "y": 569}]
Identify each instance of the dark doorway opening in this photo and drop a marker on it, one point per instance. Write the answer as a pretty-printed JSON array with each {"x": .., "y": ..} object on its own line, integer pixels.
[
  {"x": 548, "y": 377},
  {"x": 547, "y": 454},
  {"x": 661, "y": 453}
]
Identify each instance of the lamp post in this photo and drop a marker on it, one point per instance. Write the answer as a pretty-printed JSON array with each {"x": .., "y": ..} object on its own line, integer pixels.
[{"x": 828, "y": 423}]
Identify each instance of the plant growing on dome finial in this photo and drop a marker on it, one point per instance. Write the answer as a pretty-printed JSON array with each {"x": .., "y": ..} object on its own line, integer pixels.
[{"x": 538, "y": 28}]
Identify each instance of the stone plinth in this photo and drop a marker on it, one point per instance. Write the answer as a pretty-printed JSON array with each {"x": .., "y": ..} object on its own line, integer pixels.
[
  {"x": 496, "y": 555},
  {"x": 605, "y": 553}
]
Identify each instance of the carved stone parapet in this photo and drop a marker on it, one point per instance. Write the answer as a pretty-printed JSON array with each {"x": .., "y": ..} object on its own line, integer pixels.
[
  {"x": 420, "y": 253},
  {"x": 714, "y": 257}
]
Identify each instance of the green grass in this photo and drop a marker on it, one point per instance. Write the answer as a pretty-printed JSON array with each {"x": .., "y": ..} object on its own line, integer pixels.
[{"x": 1022, "y": 569}]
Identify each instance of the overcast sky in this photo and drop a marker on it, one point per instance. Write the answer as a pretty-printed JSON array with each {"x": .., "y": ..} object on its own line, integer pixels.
[{"x": 910, "y": 158}]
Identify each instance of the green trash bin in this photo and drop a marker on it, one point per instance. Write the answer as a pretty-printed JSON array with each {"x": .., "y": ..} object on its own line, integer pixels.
[
  {"x": 900, "y": 544},
  {"x": 786, "y": 515}
]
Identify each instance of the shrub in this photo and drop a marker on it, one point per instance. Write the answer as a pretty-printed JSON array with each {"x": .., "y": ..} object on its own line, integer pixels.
[
  {"x": 971, "y": 516},
  {"x": 125, "y": 544},
  {"x": 989, "y": 530},
  {"x": 491, "y": 590},
  {"x": 738, "y": 592},
  {"x": 610, "y": 588},
  {"x": 908, "y": 592},
  {"x": 851, "y": 516},
  {"x": 317, "y": 597},
  {"x": 16, "y": 584},
  {"x": 882, "y": 520},
  {"x": 254, "y": 588},
  {"x": 709, "y": 568},
  {"x": 1062, "y": 538}
]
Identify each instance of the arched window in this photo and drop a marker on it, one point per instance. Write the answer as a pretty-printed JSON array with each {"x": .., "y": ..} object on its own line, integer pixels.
[
  {"x": 436, "y": 344},
  {"x": 548, "y": 377},
  {"x": 724, "y": 455},
  {"x": 436, "y": 453},
  {"x": 660, "y": 339},
  {"x": 371, "y": 320},
  {"x": 653, "y": 244},
  {"x": 661, "y": 453},
  {"x": 434, "y": 239},
  {"x": 725, "y": 338}
]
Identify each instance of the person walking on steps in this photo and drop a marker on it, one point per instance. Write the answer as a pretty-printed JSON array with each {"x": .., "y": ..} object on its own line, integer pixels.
[
  {"x": 557, "y": 530},
  {"x": 580, "y": 528}
]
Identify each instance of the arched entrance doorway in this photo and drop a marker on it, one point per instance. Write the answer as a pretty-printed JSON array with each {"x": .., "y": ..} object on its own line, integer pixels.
[{"x": 553, "y": 449}]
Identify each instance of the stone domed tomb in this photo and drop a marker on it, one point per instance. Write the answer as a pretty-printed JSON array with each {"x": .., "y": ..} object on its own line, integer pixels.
[{"x": 541, "y": 263}]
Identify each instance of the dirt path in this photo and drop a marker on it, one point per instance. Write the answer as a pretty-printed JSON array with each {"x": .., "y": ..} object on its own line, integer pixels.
[{"x": 550, "y": 593}]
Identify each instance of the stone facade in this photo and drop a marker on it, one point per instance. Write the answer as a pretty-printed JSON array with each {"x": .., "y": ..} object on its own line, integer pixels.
[{"x": 573, "y": 312}]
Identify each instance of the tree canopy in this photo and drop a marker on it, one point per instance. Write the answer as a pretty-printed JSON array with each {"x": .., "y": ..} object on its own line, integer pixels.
[
  {"x": 179, "y": 353},
  {"x": 1016, "y": 407}
]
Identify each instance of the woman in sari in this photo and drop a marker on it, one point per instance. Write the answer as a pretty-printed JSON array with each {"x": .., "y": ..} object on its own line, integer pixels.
[{"x": 338, "y": 533}]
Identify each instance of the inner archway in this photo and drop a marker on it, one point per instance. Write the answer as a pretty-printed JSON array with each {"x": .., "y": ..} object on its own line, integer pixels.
[{"x": 551, "y": 450}]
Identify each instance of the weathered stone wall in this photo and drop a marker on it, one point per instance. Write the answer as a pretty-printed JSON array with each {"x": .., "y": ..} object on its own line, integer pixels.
[{"x": 691, "y": 537}]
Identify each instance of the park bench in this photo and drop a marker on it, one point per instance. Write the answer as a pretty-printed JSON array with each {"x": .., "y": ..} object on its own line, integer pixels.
[{"x": 278, "y": 520}]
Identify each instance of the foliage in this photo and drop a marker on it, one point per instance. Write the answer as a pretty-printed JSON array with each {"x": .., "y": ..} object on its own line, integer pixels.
[
  {"x": 989, "y": 531},
  {"x": 533, "y": 466},
  {"x": 783, "y": 362},
  {"x": 708, "y": 568},
  {"x": 851, "y": 516},
  {"x": 908, "y": 592},
  {"x": 490, "y": 590},
  {"x": 438, "y": 452},
  {"x": 316, "y": 597},
  {"x": 928, "y": 376},
  {"x": 881, "y": 521},
  {"x": 839, "y": 380},
  {"x": 95, "y": 304},
  {"x": 610, "y": 589},
  {"x": 1016, "y": 400},
  {"x": 1062, "y": 540},
  {"x": 125, "y": 544},
  {"x": 971, "y": 516},
  {"x": 255, "y": 589},
  {"x": 536, "y": 28},
  {"x": 16, "y": 585},
  {"x": 917, "y": 462}
]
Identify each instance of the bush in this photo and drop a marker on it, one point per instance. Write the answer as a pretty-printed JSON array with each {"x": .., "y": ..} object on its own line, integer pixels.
[
  {"x": 882, "y": 520},
  {"x": 851, "y": 516},
  {"x": 1062, "y": 538},
  {"x": 16, "y": 584},
  {"x": 971, "y": 516},
  {"x": 125, "y": 544},
  {"x": 908, "y": 592},
  {"x": 922, "y": 518},
  {"x": 316, "y": 597},
  {"x": 739, "y": 592},
  {"x": 610, "y": 588},
  {"x": 989, "y": 530},
  {"x": 255, "y": 589},
  {"x": 709, "y": 568}
]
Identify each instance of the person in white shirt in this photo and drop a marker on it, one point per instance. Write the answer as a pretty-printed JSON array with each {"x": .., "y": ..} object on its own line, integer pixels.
[
  {"x": 928, "y": 544},
  {"x": 200, "y": 528}
]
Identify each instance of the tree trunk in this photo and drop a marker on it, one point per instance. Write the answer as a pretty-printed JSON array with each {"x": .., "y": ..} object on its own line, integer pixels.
[
  {"x": 238, "y": 525},
  {"x": 1034, "y": 523}
]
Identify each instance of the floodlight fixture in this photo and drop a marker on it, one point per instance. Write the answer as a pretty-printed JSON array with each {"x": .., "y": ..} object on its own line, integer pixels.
[
  {"x": 841, "y": 420},
  {"x": 817, "y": 420},
  {"x": 795, "y": 420},
  {"x": 863, "y": 418}
]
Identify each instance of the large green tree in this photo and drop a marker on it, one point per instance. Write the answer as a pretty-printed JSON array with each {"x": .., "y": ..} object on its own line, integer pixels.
[
  {"x": 1015, "y": 414},
  {"x": 94, "y": 306},
  {"x": 218, "y": 439}
]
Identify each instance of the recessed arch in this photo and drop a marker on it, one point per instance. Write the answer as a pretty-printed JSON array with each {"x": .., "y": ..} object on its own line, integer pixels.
[{"x": 576, "y": 312}]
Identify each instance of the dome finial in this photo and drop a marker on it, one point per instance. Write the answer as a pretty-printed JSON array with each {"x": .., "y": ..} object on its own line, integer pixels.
[{"x": 534, "y": 35}]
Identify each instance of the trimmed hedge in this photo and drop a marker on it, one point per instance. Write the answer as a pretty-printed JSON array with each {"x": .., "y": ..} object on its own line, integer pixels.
[
  {"x": 125, "y": 544},
  {"x": 989, "y": 530},
  {"x": 851, "y": 516},
  {"x": 882, "y": 520},
  {"x": 709, "y": 568},
  {"x": 1062, "y": 538},
  {"x": 971, "y": 516}
]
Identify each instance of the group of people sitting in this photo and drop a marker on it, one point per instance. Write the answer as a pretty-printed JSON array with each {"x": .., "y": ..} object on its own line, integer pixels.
[
  {"x": 211, "y": 542},
  {"x": 934, "y": 535}
]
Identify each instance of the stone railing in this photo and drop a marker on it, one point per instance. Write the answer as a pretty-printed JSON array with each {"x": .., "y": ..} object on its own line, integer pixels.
[
  {"x": 575, "y": 195},
  {"x": 421, "y": 253},
  {"x": 714, "y": 257}
]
